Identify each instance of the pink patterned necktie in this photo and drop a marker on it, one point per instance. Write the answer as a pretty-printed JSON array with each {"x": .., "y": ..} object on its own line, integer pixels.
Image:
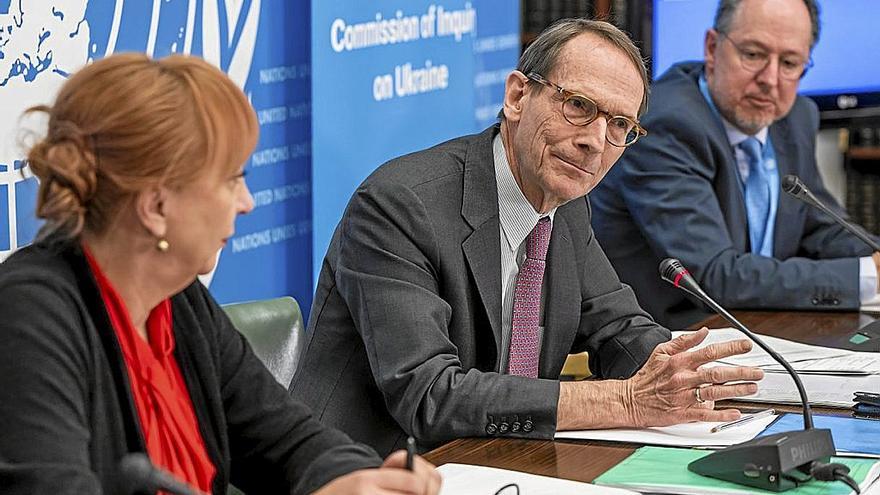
[{"x": 523, "y": 356}]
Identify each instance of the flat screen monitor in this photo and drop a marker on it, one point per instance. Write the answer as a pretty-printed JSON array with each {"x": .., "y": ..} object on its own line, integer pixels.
[{"x": 845, "y": 77}]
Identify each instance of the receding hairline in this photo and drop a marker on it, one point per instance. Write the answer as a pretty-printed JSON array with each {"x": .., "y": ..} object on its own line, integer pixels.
[
  {"x": 728, "y": 12},
  {"x": 602, "y": 45},
  {"x": 542, "y": 55}
]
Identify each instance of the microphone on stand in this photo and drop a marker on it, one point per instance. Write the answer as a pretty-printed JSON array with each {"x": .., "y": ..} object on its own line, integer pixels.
[
  {"x": 138, "y": 476},
  {"x": 776, "y": 462},
  {"x": 794, "y": 186}
]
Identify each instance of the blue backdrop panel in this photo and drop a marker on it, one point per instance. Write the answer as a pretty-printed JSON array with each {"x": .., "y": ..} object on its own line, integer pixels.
[
  {"x": 391, "y": 77},
  {"x": 264, "y": 47},
  {"x": 270, "y": 254},
  {"x": 5, "y": 236},
  {"x": 496, "y": 51},
  {"x": 25, "y": 203}
]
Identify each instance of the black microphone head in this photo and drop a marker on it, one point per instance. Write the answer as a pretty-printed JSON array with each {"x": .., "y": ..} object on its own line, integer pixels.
[
  {"x": 793, "y": 185},
  {"x": 138, "y": 476},
  {"x": 136, "y": 471},
  {"x": 670, "y": 269}
]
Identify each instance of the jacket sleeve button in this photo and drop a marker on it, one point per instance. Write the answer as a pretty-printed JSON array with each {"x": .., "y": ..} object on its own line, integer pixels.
[
  {"x": 527, "y": 426},
  {"x": 491, "y": 428},
  {"x": 503, "y": 428},
  {"x": 515, "y": 427}
]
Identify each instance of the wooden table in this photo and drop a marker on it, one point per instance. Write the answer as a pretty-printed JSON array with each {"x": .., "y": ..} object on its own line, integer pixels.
[
  {"x": 825, "y": 329},
  {"x": 585, "y": 460}
]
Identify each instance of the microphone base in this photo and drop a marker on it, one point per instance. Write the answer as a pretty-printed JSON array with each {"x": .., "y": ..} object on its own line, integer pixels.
[
  {"x": 774, "y": 462},
  {"x": 865, "y": 339}
]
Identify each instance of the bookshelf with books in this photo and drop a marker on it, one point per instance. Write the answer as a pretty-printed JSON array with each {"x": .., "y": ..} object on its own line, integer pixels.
[
  {"x": 862, "y": 166},
  {"x": 538, "y": 14}
]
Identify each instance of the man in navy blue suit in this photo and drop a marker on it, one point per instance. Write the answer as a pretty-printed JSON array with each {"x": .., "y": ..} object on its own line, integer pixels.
[{"x": 703, "y": 186}]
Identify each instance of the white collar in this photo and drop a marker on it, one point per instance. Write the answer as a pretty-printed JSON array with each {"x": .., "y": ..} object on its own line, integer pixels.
[{"x": 516, "y": 215}]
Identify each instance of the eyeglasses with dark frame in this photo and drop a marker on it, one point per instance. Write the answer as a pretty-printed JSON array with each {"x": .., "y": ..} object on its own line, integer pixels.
[
  {"x": 755, "y": 60},
  {"x": 580, "y": 110}
]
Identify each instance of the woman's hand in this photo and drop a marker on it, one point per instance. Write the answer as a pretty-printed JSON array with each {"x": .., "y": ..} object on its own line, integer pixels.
[{"x": 391, "y": 479}]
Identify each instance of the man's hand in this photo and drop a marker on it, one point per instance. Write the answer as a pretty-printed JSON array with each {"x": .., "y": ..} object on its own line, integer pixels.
[
  {"x": 392, "y": 479},
  {"x": 671, "y": 388}
]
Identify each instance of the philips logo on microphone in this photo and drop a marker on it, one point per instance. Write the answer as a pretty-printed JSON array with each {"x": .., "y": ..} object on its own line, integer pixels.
[{"x": 806, "y": 452}]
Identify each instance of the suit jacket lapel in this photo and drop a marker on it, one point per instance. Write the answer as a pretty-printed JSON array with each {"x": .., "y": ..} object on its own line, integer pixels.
[
  {"x": 738, "y": 222},
  {"x": 780, "y": 137},
  {"x": 91, "y": 296},
  {"x": 208, "y": 409},
  {"x": 730, "y": 191},
  {"x": 479, "y": 208},
  {"x": 562, "y": 299}
]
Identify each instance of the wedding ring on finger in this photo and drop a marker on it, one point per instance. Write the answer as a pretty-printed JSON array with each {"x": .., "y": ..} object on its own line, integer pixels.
[{"x": 700, "y": 399}]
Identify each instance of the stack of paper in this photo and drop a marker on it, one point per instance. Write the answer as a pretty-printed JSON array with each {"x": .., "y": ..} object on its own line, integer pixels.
[
  {"x": 830, "y": 375},
  {"x": 793, "y": 352},
  {"x": 871, "y": 306},
  {"x": 698, "y": 434},
  {"x": 804, "y": 358},
  {"x": 464, "y": 479},
  {"x": 664, "y": 470},
  {"x": 822, "y": 390},
  {"x": 852, "y": 363}
]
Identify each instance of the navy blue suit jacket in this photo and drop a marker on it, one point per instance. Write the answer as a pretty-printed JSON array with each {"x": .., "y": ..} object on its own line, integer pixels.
[{"x": 676, "y": 193}]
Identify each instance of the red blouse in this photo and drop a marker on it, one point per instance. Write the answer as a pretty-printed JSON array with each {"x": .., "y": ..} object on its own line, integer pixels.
[{"x": 163, "y": 404}]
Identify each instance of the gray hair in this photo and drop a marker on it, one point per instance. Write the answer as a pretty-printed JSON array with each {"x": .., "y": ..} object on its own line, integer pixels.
[
  {"x": 727, "y": 10},
  {"x": 541, "y": 55}
]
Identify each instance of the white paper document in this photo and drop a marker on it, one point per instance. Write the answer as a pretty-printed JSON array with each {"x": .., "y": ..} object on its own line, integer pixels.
[
  {"x": 683, "y": 435},
  {"x": 465, "y": 479},
  {"x": 822, "y": 390},
  {"x": 874, "y": 489},
  {"x": 804, "y": 358},
  {"x": 854, "y": 363},
  {"x": 792, "y": 351},
  {"x": 871, "y": 306},
  {"x": 845, "y": 372}
]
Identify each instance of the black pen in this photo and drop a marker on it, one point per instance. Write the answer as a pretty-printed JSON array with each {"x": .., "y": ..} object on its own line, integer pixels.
[{"x": 410, "y": 452}]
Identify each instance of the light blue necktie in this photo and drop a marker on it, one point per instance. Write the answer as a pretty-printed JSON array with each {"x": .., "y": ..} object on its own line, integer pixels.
[{"x": 757, "y": 193}]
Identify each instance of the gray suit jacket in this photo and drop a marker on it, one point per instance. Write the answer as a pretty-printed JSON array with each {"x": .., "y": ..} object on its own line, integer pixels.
[
  {"x": 677, "y": 193},
  {"x": 405, "y": 330}
]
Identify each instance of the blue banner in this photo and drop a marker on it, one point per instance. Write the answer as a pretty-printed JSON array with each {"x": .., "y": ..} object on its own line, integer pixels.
[
  {"x": 392, "y": 77},
  {"x": 269, "y": 255}
]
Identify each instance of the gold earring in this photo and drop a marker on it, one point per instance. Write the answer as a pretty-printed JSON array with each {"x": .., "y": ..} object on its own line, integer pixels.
[{"x": 162, "y": 245}]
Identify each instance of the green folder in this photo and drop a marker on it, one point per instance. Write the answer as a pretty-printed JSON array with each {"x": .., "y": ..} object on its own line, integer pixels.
[{"x": 664, "y": 470}]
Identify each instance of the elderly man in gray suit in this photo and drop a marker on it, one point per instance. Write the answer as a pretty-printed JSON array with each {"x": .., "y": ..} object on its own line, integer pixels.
[{"x": 461, "y": 276}]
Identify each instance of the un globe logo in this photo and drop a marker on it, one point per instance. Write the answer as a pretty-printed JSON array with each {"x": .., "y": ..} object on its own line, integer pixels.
[{"x": 43, "y": 42}]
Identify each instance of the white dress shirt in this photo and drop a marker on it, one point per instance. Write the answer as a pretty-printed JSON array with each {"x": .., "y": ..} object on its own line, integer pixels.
[
  {"x": 517, "y": 217},
  {"x": 867, "y": 269}
]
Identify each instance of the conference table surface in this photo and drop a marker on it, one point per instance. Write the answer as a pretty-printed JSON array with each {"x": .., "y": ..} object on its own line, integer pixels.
[{"x": 582, "y": 460}]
